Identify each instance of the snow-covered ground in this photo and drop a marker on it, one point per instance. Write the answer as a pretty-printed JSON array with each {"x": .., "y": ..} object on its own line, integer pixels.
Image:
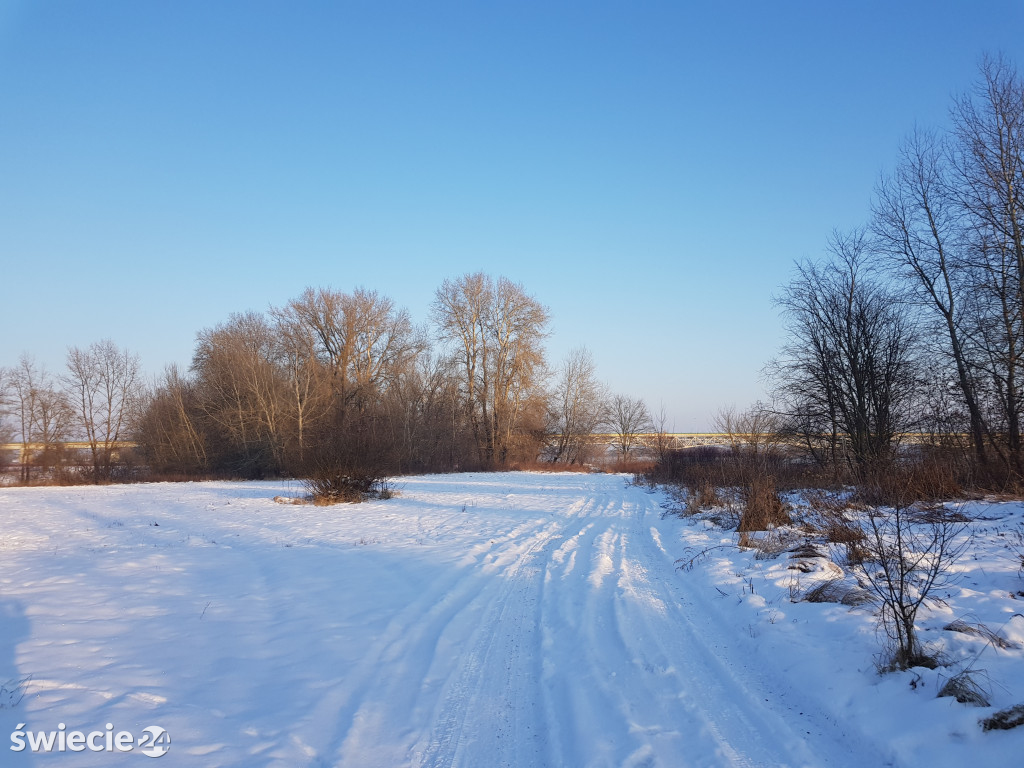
[{"x": 476, "y": 620}]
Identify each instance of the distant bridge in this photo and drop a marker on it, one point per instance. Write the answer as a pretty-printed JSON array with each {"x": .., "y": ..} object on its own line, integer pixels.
[
  {"x": 23, "y": 449},
  {"x": 674, "y": 439},
  {"x": 724, "y": 439}
]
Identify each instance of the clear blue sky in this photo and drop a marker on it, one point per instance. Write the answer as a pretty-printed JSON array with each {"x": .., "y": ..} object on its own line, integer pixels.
[{"x": 648, "y": 170}]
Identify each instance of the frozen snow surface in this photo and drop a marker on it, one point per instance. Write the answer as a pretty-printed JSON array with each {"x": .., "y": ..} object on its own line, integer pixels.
[{"x": 514, "y": 619}]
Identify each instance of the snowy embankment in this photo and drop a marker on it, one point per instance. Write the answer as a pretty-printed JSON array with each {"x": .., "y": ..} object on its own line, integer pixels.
[{"x": 477, "y": 620}]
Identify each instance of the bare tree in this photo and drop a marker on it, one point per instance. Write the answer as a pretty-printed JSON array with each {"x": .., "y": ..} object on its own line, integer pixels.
[
  {"x": 427, "y": 418},
  {"x": 308, "y": 397},
  {"x": 6, "y": 407},
  {"x": 629, "y": 419},
  {"x": 104, "y": 386},
  {"x": 847, "y": 375},
  {"x": 460, "y": 312},
  {"x": 23, "y": 387},
  {"x": 495, "y": 331},
  {"x": 169, "y": 428},
  {"x": 755, "y": 434},
  {"x": 42, "y": 416},
  {"x": 660, "y": 441},
  {"x": 987, "y": 160},
  {"x": 362, "y": 338},
  {"x": 579, "y": 407},
  {"x": 242, "y": 393},
  {"x": 919, "y": 230}
]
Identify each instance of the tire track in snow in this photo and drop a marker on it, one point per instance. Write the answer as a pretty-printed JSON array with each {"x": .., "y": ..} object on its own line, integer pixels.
[
  {"x": 370, "y": 710},
  {"x": 499, "y": 676},
  {"x": 631, "y": 678},
  {"x": 739, "y": 701},
  {"x": 569, "y": 641}
]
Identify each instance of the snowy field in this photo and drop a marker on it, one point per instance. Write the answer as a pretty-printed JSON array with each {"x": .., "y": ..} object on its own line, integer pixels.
[{"x": 475, "y": 620}]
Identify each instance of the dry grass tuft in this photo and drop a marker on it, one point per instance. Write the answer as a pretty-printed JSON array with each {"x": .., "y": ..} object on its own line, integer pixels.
[
  {"x": 838, "y": 591},
  {"x": 966, "y": 689},
  {"x": 769, "y": 546},
  {"x": 980, "y": 630},
  {"x": 293, "y": 500},
  {"x": 1004, "y": 719}
]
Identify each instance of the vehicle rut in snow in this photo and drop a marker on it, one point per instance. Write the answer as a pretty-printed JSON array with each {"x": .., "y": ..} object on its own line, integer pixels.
[
  {"x": 491, "y": 619},
  {"x": 571, "y": 641}
]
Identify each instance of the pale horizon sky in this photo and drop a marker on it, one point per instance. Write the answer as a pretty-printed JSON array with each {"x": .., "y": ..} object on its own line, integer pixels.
[{"x": 649, "y": 171}]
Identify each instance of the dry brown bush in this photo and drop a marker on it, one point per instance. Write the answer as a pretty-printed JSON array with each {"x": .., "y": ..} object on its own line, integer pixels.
[
  {"x": 328, "y": 485},
  {"x": 549, "y": 466},
  {"x": 828, "y": 515},
  {"x": 763, "y": 509},
  {"x": 930, "y": 477},
  {"x": 629, "y": 466},
  {"x": 704, "y": 495}
]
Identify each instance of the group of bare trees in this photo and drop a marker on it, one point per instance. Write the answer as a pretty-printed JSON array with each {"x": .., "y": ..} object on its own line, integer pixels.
[
  {"x": 345, "y": 388},
  {"x": 916, "y": 323},
  {"x": 93, "y": 401},
  {"x": 331, "y": 383},
  {"x": 847, "y": 375},
  {"x": 494, "y": 334},
  {"x": 341, "y": 387},
  {"x": 581, "y": 405}
]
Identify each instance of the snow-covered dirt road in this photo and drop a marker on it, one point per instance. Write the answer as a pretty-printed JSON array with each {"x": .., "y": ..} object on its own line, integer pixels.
[{"x": 475, "y": 620}]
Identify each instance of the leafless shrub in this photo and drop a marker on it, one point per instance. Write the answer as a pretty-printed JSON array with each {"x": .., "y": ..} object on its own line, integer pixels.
[
  {"x": 923, "y": 478},
  {"x": 333, "y": 486},
  {"x": 546, "y": 466},
  {"x": 909, "y": 560},
  {"x": 351, "y": 459},
  {"x": 385, "y": 490},
  {"x": 636, "y": 467}
]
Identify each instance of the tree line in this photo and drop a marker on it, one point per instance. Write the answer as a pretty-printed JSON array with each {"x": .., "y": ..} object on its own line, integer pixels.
[
  {"x": 915, "y": 322},
  {"x": 340, "y": 388}
]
